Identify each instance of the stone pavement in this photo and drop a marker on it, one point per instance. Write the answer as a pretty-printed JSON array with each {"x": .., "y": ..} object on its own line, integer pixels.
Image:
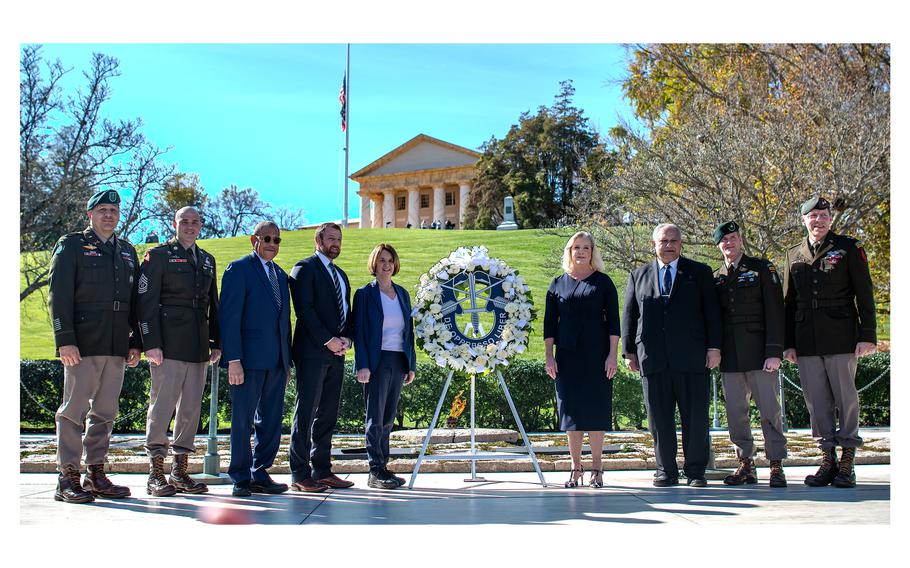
[{"x": 506, "y": 498}]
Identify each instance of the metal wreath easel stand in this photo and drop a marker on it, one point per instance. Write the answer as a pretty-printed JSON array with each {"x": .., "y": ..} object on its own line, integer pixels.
[{"x": 474, "y": 455}]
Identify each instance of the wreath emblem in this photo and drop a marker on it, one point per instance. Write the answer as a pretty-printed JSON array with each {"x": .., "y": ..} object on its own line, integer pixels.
[{"x": 473, "y": 313}]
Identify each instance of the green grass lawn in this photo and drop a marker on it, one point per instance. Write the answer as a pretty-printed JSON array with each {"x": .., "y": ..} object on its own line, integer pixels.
[{"x": 535, "y": 255}]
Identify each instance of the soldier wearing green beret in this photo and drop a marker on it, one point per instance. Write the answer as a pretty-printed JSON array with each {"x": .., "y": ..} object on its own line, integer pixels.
[
  {"x": 92, "y": 301},
  {"x": 830, "y": 322},
  {"x": 178, "y": 320},
  {"x": 749, "y": 292}
]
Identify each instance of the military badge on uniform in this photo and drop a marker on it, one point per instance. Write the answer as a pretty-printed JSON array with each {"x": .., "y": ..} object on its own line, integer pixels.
[
  {"x": 832, "y": 259},
  {"x": 89, "y": 247},
  {"x": 91, "y": 253},
  {"x": 143, "y": 284},
  {"x": 57, "y": 325},
  {"x": 144, "y": 327}
]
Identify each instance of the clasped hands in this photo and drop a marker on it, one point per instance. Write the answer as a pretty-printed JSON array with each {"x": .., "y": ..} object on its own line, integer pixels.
[{"x": 339, "y": 345}]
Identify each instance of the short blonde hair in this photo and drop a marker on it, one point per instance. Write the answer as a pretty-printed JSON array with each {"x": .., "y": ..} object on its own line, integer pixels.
[
  {"x": 373, "y": 261},
  {"x": 596, "y": 260}
]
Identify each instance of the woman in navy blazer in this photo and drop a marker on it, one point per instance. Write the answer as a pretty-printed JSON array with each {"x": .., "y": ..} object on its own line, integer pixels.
[{"x": 384, "y": 356}]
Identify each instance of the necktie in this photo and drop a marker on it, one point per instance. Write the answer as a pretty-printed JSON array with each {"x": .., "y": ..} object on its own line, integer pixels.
[
  {"x": 668, "y": 282},
  {"x": 274, "y": 279},
  {"x": 338, "y": 298}
]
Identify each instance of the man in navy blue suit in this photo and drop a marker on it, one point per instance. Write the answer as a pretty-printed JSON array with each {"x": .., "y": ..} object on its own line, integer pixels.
[
  {"x": 255, "y": 318},
  {"x": 322, "y": 302}
]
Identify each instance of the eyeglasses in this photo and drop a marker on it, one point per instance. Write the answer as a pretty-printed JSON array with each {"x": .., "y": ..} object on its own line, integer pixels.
[{"x": 270, "y": 239}]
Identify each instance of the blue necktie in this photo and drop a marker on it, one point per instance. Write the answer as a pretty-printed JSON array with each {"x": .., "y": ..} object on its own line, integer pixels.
[
  {"x": 668, "y": 281},
  {"x": 274, "y": 278}
]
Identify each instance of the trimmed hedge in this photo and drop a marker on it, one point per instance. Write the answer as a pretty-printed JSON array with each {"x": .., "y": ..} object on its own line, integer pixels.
[{"x": 532, "y": 392}]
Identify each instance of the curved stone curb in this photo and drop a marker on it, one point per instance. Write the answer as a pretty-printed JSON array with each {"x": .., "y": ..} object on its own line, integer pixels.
[{"x": 461, "y": 466}]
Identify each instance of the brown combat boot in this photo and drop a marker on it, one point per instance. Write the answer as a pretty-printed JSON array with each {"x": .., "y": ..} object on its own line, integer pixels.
[
  {"x": 179, "y": 478},
  {"x": 778, "y": 479},
  {"x": 69, "y": 489},
  {"x": 157, "y": 485},
  {"x": 745, "y": 473},
  {"x": 826, "y": 472},
  {"x": 846, "y": 477},
  {"x": 100, "y": 486}
]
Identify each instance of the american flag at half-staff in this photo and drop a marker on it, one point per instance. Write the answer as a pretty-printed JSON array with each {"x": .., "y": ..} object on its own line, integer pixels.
[{"x": 342, "y": 98}]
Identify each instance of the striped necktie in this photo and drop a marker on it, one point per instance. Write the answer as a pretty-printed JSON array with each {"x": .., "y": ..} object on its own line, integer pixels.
[
  {"x": 338, "y": 297},
  {"x": 273, "y": 277}
]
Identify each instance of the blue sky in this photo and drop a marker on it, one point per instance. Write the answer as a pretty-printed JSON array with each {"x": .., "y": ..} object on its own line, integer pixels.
[{"x": 267, "y": 116}]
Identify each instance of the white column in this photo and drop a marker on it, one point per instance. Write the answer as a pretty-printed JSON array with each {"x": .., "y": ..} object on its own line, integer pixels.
[
  {"x": 439, "y": 203},
  {"x": 388, "y": 209},
  {"x": 364, "y": 210},
  {"x": 464, "y": 189},
  {"x": 414, "y": 207},
  {"x": 377, "y": 210}
]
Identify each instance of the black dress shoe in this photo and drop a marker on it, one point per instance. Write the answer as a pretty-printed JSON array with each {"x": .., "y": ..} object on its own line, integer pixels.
[
  {"x": 662, "y": 479},
  {"x": 697, "y": 482},
  {"x": 242, "y": 489},
  {"x": 267, "y": 486}
]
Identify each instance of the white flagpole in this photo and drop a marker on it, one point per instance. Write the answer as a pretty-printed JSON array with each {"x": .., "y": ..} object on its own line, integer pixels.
[{"x": 347, "y": 134}]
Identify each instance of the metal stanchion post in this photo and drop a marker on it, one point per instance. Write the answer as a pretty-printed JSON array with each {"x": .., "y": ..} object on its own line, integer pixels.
[
  {"x": 714, "y": 389},
  {"x": 711, "y": 472},
  {"x": 211, "y": 463}
]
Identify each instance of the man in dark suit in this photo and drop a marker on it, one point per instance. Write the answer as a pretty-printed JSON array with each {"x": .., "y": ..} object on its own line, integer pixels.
[
  {"x": 671, "y": 333},
  {"x": 255, "y": 318},
  {"x": 322, "y": 300}
]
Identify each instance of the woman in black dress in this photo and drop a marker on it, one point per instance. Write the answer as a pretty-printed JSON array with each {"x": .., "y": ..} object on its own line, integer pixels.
[{"x": 582, "y": 319}]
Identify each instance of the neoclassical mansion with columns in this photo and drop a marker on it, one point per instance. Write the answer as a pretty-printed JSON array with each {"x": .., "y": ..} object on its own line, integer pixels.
[{"x": 422, "y": 181}]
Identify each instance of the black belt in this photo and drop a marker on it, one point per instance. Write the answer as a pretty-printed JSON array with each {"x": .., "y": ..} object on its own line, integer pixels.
[
  {"x": 816, "y": 304},
  {"x": 194, "y": 303},
  {"x": 113, "y": 306}
]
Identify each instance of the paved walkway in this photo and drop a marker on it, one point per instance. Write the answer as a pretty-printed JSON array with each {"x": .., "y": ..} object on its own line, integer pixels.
[{"x": 507, "y": 498}]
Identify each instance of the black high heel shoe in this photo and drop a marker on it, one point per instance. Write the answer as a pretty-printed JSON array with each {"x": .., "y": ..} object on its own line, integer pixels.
[
  {"x": 596, "y": 479},
  {"x": 576, "y": 480}
]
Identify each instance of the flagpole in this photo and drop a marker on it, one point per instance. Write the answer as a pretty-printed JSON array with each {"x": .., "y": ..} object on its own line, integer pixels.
[{"x": 347, "y": 134}]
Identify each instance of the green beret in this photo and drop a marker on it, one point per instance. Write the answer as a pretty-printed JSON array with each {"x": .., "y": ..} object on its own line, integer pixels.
[
  {"x": 816, "y": 202},
  {"x": 102, "y": 197},
  {"x": 723, "y": 229}
]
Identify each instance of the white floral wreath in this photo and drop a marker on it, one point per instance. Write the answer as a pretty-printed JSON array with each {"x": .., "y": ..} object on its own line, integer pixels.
[{"x": 436, "y": 337}]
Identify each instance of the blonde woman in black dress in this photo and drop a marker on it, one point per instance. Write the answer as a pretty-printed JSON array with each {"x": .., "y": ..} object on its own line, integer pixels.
[{"x": 582, "y": 321}]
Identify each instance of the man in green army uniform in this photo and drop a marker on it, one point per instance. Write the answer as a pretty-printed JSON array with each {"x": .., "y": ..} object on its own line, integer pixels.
[
  {"x": 749, "y": 292},
  {"x": 92, "y": 301},
  {"x": 830, "y": 322},
  {"x": 178, "y": 319}
]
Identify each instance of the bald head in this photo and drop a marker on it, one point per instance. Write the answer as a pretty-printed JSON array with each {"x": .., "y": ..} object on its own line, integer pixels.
[{"x": 187, "y": 225}]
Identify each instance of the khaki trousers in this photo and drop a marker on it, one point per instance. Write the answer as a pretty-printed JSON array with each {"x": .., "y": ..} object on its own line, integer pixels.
[
  {"x": 92, "y": 389},
  {"x": 175, "y": 385},
  {"x": 829, "y": 384},
  {"x": 762, "y": 388}
]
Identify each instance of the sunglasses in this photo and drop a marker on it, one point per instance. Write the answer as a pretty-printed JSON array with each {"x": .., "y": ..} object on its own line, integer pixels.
[{"x": 270, "y": 239}]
